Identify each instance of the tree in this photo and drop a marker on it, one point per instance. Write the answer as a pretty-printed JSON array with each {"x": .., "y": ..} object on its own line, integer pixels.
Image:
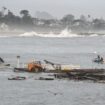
[
  {"x": 83, "y": 18},
  {"x": 3, "y": 10},
  {"x": 68, "y": 19},
  {"x": 10, "y": 14},
  {"x": 98, "y": 24},
  {"x": 24, "y": 13},
  {"x": 26, "y": 18}
]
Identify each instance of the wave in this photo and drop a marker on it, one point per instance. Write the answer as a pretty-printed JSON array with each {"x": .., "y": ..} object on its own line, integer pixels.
[
  {"x": 28, "y": 34},
  {"x": 2, "y": 36},
  {"x": 63, "y": 34},
  {"x": 93, "y": 35}
]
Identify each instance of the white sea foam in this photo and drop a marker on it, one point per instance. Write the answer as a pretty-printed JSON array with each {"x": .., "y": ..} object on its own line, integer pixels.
[
  {"x": 93, "y": 35},
  {"x": 63, "y": 34},
  {"x": 28, "y": 34},
  {"x": 2, "y": 36}
]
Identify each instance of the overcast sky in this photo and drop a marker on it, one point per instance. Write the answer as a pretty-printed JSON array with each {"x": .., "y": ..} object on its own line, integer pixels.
[{"x": 58, "y": 8}]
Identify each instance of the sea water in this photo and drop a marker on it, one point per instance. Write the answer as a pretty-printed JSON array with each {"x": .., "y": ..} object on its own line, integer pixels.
[{"x": 62, "y": 50}]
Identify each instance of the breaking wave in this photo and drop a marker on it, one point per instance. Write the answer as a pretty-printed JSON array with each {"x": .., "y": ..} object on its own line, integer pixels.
[
  {"x": 28, "y": 34},
  {"x": 63, "y": 34}
]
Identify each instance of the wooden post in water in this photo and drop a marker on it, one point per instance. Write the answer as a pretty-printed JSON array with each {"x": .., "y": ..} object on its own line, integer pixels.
[{"x": 18, "y": 61}]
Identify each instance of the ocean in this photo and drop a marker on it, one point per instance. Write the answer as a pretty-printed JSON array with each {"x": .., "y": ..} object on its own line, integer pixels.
[{"x": 62, "y": 49}]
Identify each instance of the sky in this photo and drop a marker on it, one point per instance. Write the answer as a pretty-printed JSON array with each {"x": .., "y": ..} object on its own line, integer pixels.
[{"x": 58, "y": 8}]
